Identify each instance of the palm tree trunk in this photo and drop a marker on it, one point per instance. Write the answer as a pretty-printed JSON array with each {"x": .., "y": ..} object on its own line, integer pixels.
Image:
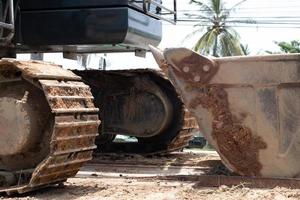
[{"x": 215, "y": 47}]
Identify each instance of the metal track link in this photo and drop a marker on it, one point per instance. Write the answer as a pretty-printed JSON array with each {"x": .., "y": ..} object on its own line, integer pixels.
[
  {"x": 75, "y": 124},
  {"x": 185, "y": 134}
]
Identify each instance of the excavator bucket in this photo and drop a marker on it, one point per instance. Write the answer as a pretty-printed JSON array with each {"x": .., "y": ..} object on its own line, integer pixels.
[{"x": 248, "y": 108}]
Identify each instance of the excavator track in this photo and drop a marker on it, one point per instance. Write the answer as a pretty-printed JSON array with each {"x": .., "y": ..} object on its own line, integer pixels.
[
  {"x": 185, "y": 134},
  {"x": 174, "y": 138},
  {"x": 74, "y": 123}
]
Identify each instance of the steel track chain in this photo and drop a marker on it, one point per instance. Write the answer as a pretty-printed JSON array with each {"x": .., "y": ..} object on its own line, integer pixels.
[{"x": 75, "y": 123}]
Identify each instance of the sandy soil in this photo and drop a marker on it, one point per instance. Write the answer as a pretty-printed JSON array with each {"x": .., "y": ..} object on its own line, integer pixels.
[
  {"x": 132, "y": 189},
  {"x": 137, "y": 178}
]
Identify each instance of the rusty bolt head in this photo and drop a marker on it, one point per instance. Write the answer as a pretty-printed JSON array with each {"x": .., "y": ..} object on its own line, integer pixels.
[
  {"x": 186, "y": 69},
  {"x": 197, "y": 78},
  {"x": 206, "y": 68}
]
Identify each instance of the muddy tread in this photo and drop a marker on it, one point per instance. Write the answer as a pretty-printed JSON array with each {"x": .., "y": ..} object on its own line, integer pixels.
[
  {"x": 75, "y": 128},
  {"x": 183, "y": 137}
]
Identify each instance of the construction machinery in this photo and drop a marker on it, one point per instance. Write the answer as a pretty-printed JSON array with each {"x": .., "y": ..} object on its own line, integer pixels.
[
  {"x": 49, "y": 116},
  {"x": 246, "y": 107}
]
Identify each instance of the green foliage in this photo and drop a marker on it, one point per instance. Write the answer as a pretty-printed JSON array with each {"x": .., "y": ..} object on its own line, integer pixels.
[
  {"x": 245, "y": 49},
  {"x": 287, "y": 47},
  {"x": 219, "y": 39}
]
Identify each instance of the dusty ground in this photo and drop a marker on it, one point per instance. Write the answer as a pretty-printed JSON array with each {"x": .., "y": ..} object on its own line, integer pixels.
[
  {"x": 141, "y": 178},
  {"x": 132, "y": 189}
]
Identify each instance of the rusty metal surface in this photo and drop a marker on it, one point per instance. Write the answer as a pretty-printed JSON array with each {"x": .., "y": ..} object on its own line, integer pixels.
[
  {"x": 74, "y": 127},
  {"x": 246, "y": 107},
  {"x": 39, "y": 69},
  {"x": 166, "y": 127},
  {"x": 184, "y": 135}
]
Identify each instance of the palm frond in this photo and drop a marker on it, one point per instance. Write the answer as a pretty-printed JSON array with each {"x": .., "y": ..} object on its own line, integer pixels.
[
  {"x": 216, "y": 5},
  {"x": 202, "y": 4},
  {"x": 199, "y": 44},
  {"x": 206, "y": 43},
  {"x": 202, "y": 44},
  {"x": 190, "y": 35},
  {"x": 234, "y": 7},
  {"x": 205, "y": 8},
  {"x": 196, "y": 16},
  {"x": 212, "y": 41},
  {"x": 233, "y": 42},
  {"x": 233, "y": 33},
  {"x": 245, "y": 49},
  {"x": 224, "y": 46}
]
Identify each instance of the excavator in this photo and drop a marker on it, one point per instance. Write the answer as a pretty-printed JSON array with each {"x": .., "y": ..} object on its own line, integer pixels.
[
  {"x": 50, "y": 116},
  {"x": 246, "y": 107}
]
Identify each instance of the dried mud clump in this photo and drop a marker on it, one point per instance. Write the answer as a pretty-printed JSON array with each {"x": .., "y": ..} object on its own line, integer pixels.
[
  {"x": 57, "y": 91},
  {"x": 71, "y": 103},
  {"x": 235, "y": 141}
]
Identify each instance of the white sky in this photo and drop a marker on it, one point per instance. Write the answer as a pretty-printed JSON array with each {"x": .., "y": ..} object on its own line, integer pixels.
[{"x": 255, "y": 36}]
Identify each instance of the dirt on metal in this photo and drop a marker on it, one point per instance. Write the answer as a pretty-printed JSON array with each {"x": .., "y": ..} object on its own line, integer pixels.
[
  {"x": 69, "y": 92},
  {"x": 194, "y": 74},
  {"x": 236, "y": 142},
  {"x": 71, "y": 130}
]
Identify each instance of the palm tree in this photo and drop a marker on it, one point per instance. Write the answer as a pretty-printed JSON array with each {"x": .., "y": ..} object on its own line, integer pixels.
[{"x": 219, "y": 39}]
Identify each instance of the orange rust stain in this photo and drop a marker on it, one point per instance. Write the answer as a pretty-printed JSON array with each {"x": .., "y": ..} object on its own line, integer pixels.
[
  {"x": 235, "y": 141},
  {"x": 196, "y": 70}
]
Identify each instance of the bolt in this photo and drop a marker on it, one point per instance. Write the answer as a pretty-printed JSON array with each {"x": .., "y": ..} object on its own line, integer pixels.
[
  {"x": 206, "y": 68},
  {"x": 186, "y": 69},
  {"x": 197, "y": 78}
]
